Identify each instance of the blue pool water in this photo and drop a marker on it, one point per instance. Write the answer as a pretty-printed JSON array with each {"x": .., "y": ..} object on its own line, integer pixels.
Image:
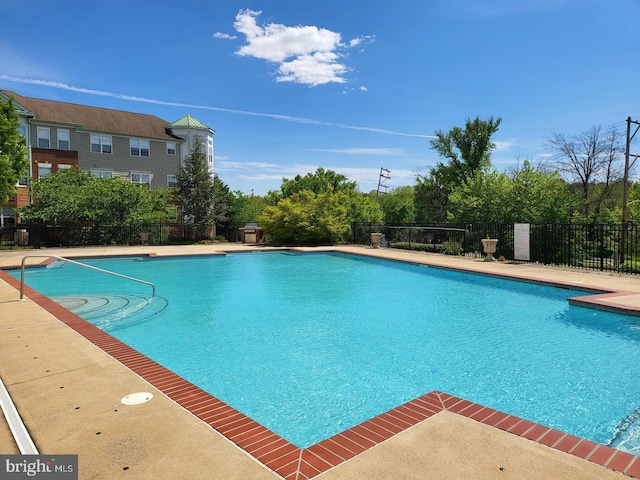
[{"x": 312, "y": 344}]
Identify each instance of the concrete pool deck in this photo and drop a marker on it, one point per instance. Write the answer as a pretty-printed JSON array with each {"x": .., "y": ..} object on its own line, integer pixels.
[{"x": 68, "y": 392}]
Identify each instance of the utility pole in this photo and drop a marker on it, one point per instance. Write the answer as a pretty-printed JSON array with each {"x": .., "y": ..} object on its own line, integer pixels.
[
  {"x": 625, "y": 187},
  {"x": 384, "y": 175}
]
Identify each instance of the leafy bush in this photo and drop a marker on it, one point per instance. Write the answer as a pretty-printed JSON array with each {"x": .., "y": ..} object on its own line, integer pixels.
[{"x": 307, "y": 218}]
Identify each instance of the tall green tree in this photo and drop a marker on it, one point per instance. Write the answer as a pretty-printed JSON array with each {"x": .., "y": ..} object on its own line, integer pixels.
[
  {"x": 481, "y": 199},
  {"x": 431, "y": 196},
  {"x": 633, "y": 204},
  {"x": 247, "y": 208},
  {"x": 196, "y": 189},
  {"x": 528, "y": 195},
  {"x": 539, "y": 195},
  {"x": 317, "y": 182},
  {"x": 363, "y": 208},
  {"x": 73, "y": 196},
  {"x": 467, "y": 151},
  {"x": 398, "y": 205},
  {"x": 14, "y": 155},
  {"x": 222, "y": 202}
]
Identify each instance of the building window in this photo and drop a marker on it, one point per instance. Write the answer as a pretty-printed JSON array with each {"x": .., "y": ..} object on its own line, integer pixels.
[
  {"x": 24, "y": 181},
  {"x": 44, "y": 169},
  {"x": 44, "y": 137},
  {"x": 102, "y": 173},
  {"x": 210, "y": 150},
  {"x": 171, "y": 148},
  {"x": 141, "y": 178},
  {"x": 171, "y": 181},
  {"x": 63, "y": 139},
  {"x": 7, "y": 216},
  {"x": 101, "y": 143},
  {"x": 64, "y": 166},
  {"x": 22, "y": 129},
  {"x": 139, "y": 148}
]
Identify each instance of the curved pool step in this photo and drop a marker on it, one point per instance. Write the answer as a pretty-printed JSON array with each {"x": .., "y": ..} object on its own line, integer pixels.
[
  {"x": 626, "y": 435},
  {"x": 112, "y": 310}
]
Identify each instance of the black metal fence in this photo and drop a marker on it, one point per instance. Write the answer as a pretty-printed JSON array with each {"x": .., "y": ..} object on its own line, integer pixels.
[
  {"x": 604, "y": 247},
  {"x": 39, "y": 236}
]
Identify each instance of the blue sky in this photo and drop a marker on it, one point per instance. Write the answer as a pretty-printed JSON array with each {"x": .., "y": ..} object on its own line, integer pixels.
[{"x": 352, "y": 86}]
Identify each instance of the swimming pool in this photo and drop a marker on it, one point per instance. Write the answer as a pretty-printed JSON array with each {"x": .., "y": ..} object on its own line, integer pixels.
[{"x": 311, "y": 344}]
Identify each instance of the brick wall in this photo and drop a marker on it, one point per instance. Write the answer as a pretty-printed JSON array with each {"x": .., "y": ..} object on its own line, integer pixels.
[{"x": 53, "y": 157}]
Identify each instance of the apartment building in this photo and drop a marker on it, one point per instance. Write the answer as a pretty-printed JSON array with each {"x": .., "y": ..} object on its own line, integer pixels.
[{"x": 134, "y": 147}]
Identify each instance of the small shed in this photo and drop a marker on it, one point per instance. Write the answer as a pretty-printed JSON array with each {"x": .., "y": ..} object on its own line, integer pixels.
[{"x": 252, "y": 233}]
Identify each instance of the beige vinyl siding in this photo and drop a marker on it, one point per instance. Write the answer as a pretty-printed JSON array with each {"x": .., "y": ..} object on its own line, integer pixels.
[
  {"x": 53, "y": 135},
  {"x": 34, "y": 133},
  {"x": 75, "y": 139},
  {"x": 158, "y": 163}
]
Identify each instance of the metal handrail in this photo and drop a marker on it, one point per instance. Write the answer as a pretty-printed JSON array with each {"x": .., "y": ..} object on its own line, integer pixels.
[{"x": 153, "y": 287}]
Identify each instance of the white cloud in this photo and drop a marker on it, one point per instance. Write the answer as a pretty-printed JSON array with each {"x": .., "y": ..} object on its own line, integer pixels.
[
  {"x": 264, "y": 179},
  {"x": 357, "y": 174},
  {"x": 365, "y": 151},
  {"x": 367, "y": 178},
  {"x": 315, "y": 69},
  {"x": 224, "y": 36},
  {"x": 348, "y": 90},
  {"x": 242, "y": 165},
  {"x": 505, "y": 145},
  {"x": 261, "y": 177},
  {"x": 305, "y": 54}
]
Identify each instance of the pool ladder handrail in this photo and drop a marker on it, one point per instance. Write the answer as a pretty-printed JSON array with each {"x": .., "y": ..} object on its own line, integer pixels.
[{"x": 153, "y": 287}]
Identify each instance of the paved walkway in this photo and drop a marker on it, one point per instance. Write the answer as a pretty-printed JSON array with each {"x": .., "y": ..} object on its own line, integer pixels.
[{"x": 68, "y": 393}]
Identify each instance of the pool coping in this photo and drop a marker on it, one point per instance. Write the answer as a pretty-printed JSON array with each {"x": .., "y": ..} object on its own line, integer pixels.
[{"x": 291, "y": 462}]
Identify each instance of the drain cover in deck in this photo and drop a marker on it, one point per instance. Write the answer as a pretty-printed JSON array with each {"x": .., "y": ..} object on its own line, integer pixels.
[{"x": 136, "y": 398}]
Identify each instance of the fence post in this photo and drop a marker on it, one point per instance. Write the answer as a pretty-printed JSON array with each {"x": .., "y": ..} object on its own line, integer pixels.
[
  {"x": 601, "y": 246},
  {"x": 569, "y": 244}
]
